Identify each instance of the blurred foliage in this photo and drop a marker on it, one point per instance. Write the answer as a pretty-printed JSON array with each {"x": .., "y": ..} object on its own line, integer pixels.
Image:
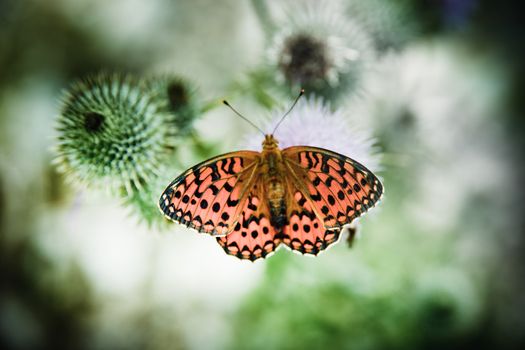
[
  {"x": 37, "y": 309},
  {"x": 439, "y": 265}
]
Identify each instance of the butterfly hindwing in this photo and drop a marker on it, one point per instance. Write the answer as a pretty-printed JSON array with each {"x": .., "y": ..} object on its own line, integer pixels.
[
  {"x": 208, "y": 197},
  {"x": 339, "y": 188},
  {"x": 305, "y": 232},
  {"x": 253, "y": 236}
]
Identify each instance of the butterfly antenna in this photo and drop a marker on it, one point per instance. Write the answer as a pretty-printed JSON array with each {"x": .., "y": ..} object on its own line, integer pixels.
[
  {"x": 240, "y": 115},
  {"x": 285, "y": 114}
]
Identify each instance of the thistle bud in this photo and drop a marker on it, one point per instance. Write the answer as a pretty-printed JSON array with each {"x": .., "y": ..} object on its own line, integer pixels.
[{"x": 112, "y": 134}]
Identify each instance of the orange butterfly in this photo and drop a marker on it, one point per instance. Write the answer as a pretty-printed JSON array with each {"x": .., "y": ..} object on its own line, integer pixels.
[{"x": 300, "y": 196}]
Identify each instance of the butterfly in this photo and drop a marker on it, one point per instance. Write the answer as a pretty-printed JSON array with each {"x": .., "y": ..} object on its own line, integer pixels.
[{"x": 253, "y": 202}]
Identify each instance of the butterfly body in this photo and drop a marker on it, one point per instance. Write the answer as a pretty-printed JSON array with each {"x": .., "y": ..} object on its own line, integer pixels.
[
  {"x": 273, "y": 177},
  {"x": 253, "y": 202}
]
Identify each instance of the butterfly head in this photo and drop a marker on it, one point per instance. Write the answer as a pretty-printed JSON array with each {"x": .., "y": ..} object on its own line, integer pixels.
[{"x": 269, "y": 142}]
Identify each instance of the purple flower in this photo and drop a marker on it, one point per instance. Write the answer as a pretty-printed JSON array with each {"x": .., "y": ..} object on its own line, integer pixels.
[{"x": 313, "y": 123}]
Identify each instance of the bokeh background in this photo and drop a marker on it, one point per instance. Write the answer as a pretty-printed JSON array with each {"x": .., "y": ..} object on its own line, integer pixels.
[{"x": 437, "y": 85}]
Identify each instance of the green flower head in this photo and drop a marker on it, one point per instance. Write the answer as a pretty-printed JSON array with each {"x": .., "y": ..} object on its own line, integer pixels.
[
  {"x": 112, "y": 133},
  {"x": 177, "y": 98}
]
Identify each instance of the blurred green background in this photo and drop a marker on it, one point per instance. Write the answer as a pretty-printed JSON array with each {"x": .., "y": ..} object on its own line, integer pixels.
[{"x": 439, "y": 264}]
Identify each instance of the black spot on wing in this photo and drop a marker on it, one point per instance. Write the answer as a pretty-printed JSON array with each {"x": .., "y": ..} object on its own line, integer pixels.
[
  {"x": 214, "y": 189},
  {"x": 232, "y": 202},
  {"x": 228, "y": 187}
]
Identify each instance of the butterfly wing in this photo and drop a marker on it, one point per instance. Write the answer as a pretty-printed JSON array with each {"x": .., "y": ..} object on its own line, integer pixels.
[
  {"x": 305, "y": 231},
  {"x": 329, "y": 190},
  {"x": 253, "y": 236},
  {"x": 209, "y": 196},
  {"x": 225, "y": 196}
]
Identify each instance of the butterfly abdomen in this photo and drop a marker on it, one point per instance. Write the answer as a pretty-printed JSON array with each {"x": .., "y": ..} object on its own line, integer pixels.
[
  {"x": 276, "y": 193},
  {"x": 278, "y": 217}
]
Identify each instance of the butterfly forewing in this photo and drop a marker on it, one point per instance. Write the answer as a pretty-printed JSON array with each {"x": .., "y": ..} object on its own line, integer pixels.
[
  {"x": 209, "y": 196},
  {"x": 339, "y": 188}
]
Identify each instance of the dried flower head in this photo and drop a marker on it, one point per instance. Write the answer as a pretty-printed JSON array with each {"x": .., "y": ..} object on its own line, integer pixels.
[
  {"x": 318, "y": 48},
  {"x": 112, "y": 133}
]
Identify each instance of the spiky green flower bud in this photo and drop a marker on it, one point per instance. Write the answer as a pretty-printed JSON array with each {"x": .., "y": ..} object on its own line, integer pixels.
[
  {"x": 176, "y": 96},
  {"x": 112, "y": 133},
  {"x": 143, "y": 203}
]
